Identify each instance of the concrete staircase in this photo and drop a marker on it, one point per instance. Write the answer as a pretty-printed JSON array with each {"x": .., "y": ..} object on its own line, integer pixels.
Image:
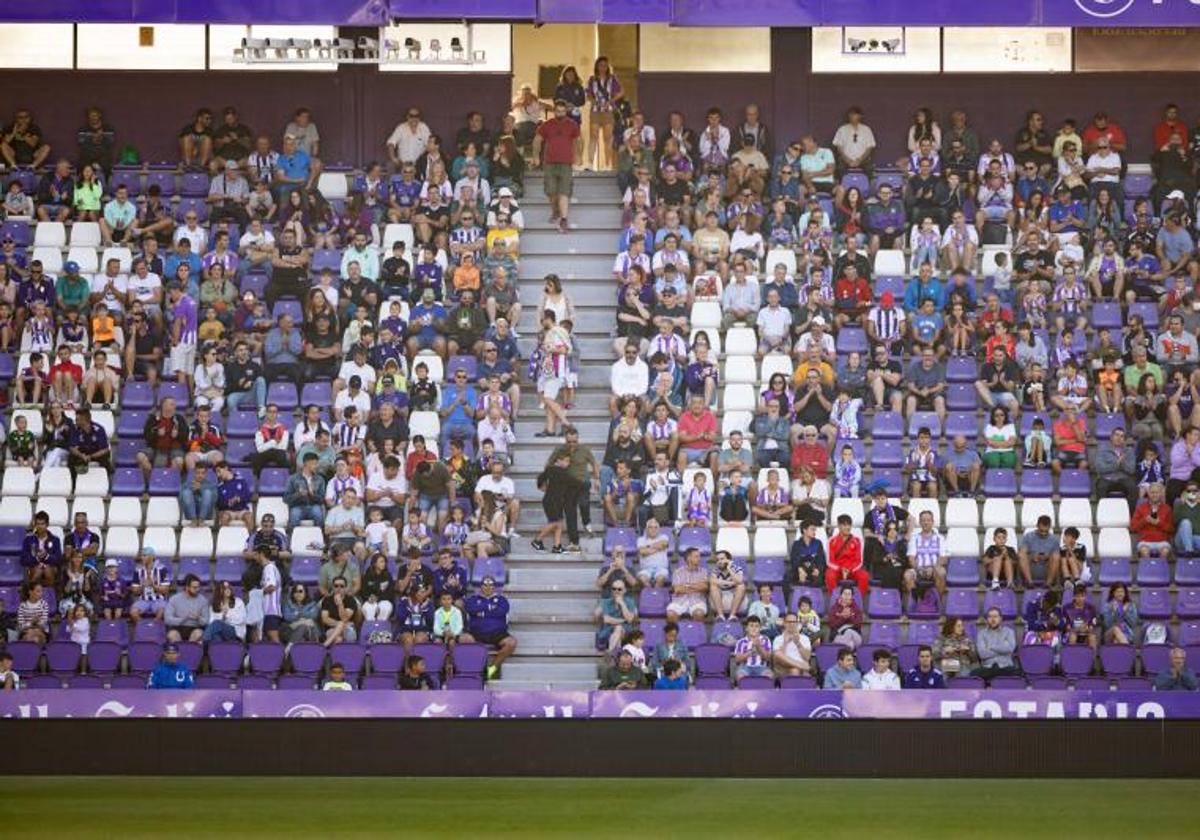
[{"x": 553, "y": 596}]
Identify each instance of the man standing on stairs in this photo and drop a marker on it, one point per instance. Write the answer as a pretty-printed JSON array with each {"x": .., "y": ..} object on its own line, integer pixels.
[
  {"x": 585, "y": 473},
  {"x": 556, "y": 144}
]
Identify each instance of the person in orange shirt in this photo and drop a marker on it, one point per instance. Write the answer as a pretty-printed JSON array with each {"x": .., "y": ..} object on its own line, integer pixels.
[
  {"x": 466, "y": 276},
  {"x": 1070, "y": 440},
  {"x": 104, "y": 326}
]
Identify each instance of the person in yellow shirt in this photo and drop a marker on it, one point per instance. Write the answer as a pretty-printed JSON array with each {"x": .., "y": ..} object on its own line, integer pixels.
[{"x": 812, "y": 361}]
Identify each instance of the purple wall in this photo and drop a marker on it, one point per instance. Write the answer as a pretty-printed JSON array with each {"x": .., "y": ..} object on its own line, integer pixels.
[
  {"x": 793, "y": 100},
  {"x": 355, "y": 108}
]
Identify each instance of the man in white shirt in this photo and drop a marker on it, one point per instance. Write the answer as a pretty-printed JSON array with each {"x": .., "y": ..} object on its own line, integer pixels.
[
  {"x": 817, "y": 337},
  {"x": 353, "y": 395},
  {"x": 502, "y": 487},
  {"x": 881, "y": 677},
  {"x": 110, "y": 288},
  {"x": 653, "y": 563},
  {"x": 792, "y": 650},
  {"x": 774, "y": 326},
  {"x": 386, "y": 490},
  {"x": 855, "y": 144},
  {"x": 630, "y": 377},
  {"x": 256, "y": 244},
  {"x": 147, "y": 287},
  {"x": 407, "y": 141},
  {"x": 495, "y": 428},
  {"x": 1104, "y": 172},
  {"x": 355, "y": 365},
  {"x": 193, "y": 233}
]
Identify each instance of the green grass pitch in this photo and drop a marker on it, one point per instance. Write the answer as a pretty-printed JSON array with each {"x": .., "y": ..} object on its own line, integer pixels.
[{"x": 77, "y": 806}]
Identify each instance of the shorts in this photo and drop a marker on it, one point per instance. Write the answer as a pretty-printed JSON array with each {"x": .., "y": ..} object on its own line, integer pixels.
[
  {"x": 602, "y": 119},
  {"x": 726, "y": 598},
  {"x": 148, "y": 607},
  {"x": 1004, "y": 398},
  {"x": 161, "y": 457},
  {"x": 491, "y": 638},
  {"x": 550, "y": 386},
  {"x": 557, "y": 179},
  {"x": 272, "y": 623},
  {"x": 183, "y": 358},
  {"x": 426, "y": 504},
  {"x": 688, "y": 608},
  {"x": 697, "y": 455},
  {"x": 1070, "y": 459}
]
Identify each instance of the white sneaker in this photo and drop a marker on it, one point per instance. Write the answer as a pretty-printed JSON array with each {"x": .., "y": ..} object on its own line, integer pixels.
[
  {"x": 590, "y": 530},
  {"x": 995, "y": 584}
]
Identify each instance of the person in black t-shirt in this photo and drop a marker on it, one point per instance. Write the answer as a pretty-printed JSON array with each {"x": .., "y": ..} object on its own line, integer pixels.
[
  {"x": 413, "y": 677},
  {"x": 395, "y": 274}
]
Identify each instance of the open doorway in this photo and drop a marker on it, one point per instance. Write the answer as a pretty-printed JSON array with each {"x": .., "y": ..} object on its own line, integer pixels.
[{"x": 541, "y": 53}]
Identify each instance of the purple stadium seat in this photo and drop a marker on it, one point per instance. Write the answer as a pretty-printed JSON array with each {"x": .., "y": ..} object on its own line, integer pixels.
[
  {"x": 128, "y": 482},
  {"x": 176, "y": 391},
  {"x": 884, "y": 603},
  {"x": 798, "y": 682},
  {"x": 1134, "y": 684},
  {"x": 88, "y": 681},
  {"x": 886, "y": 453},
  {"x": 769, "y": 570},
  {"x": 295, "y": 682},
  {"x": 470, "y": 659},
  {"x": 865, "y": 657},
  {"x": 103, "y": 657},
  {"x": 10, "y": 597},
  {"x": 387, "y": 658},
  {"x": 1154, "y": 603},
  {"x": 149, "y": 630},
  {"x": 961, "y": 397},
  {"x": 1189, "y": 633},
  {"x": 1187, "y": 602},
  {"x": 143, "y": 656},
  {"x": 225, "y": 657},
  {"x": 266, "y": 657},
  {"x": 652, "y": 602},
  {"x": 858, "y": 180},
  {"x": 1148, "y": 311},
  {"x": 242, "y": 424},
  {"x": 12, "y": 537},
  {"x": 1036, "y": 484},
  {"x": 1077, "y": 660},
  {"x": 316, "y": 393},
  {"x": 893, "y": 480},
  {"x": 1137, "y": 185},
  {"x": 52, "y": 681},
  {"x": 1002, "y": 484},
  {"x": 653, "y": 628},
  {"x": 1048, "y": 684},
  {"x": 112, "y": 631},
  {"x": 63, "y": 657},
  {"x": 10, "y": 571},
  {"x": 136, "y": 394},
  {"x": 1187, "y": 571},
  {"x": 465, "y": 682},
  {"x": 962, "y": 603},
  {"x": 330, "y": 258},
  {"x": 1092, "y": 684},
  {"x": 434, "y": 654},
  {"x": 164, "y": 481},
  {"x": 626, "y": 537},
  {"x": 127, "y": 451},
  {"x": 888, "y": 425},
  {"x": 962, "y": 423},
  {"x": 26, "y": 655},
  {"x": 962, "y": 369},
  {"x": 190, "y": 654},
  {"x": 131, "y": 424},
  {"x": 1153, "y": 571},
  {"x": 711, "y": 659},
  {"x": 288, "y": 307},
  {"x": 308, "y": 657},
  {"x": 730, "y": 628},
  {"x": 306, "y": 570},
  {"x": 1107, "y": 423},
  {"x": 1028, "y": 417},
  {"x": 165, "y": 182},
  {"x": 883, "y": 634},
  {"x": 968, "y": 683},
  {"x": 816, "y": 594},
  {"x": 1115, "y": 570},
  {"x": 883, "y": 285},
  {"x": 1117, "y": 660},
  {"x": 283, "y": 394},
  {"x": 927, "y": 420},
  {"x": 1011, "y": 683},
  {"x": 489, "y": 567},
  {"x": 852, "y": 340},
  {"x": 378, "y": 682},
  {"x": 20, "y": 232},
  {"x": 712, "y": 683},
  {"x": 191, "y": 205},
  {"x": 692, "y": 633},
  {"x": 759, "y": 683},
  {"x": 254, "y": 682},
  {"x": 1155, "y": 658},
  {"x": 462, "y": 362},
  {"x": 1004, "y": 600},
  {"x": 229, "y": 569},
  {"x": 130, "y": 180},
  {"x": 213, "y": 681},
  {"x": 826, "y": 656},
  {"x": 963, "y": 571},
  {"x": 272, "y": 481},
  {"x": 350, "y": 655},
  {"x": 1107, "y": 315}
]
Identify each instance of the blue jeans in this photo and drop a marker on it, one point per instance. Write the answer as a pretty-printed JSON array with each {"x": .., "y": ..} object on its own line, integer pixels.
[
  {"x": 1186, "y": 542},
  {"x": 314, "y": 512},
  {"x": 259, "y": 393},
  {"x": 198, "y": 507},
  {"x": 220, "y": 631}
]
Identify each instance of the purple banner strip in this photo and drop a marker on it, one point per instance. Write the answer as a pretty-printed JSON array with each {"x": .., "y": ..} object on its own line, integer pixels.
[
  {"x": 511, "y": 10},
  {"x": 762, "y": 705}
]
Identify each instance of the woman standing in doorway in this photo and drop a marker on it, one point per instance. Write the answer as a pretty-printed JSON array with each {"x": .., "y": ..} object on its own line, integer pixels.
[
  {"x": 570, "y": 90},
  {"x": 604, "y": 91}
]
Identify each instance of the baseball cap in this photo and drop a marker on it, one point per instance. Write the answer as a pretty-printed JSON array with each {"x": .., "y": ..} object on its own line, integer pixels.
[
  {"x": 148, "y": 549},
  {"x": 71, "y": 267},
  {"x": 111, "y": 563},
  {"x": 820, "y": 319},
  {"x": 489, "y": 579},
  {"x": 170, "y": 647},
  {"x": 356, "y": 381},
  {"x": 230, "y": 165},
  {"x": 1175, "y": 195},
  {"x": 505, "y": 192},
  {"x": 887, "y": 299}
]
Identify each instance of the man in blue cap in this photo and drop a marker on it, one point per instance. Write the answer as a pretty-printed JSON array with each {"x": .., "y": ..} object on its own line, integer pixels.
[
  {"x": 170, "y": 672},
  {"x": 72, "y": 289}
]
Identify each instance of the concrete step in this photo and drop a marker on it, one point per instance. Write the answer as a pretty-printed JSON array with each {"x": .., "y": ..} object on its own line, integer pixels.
[
  {"x": 537, "y": 266},
  {"x": 555, "y": 643},
  {"x": 550, "y": 669},
  {"x": 537, "y": 243},
  {"x": 545, "y": 685},
  {"x": 583, "y": 217},
  {"x": 589, "y": 431},
  {"x": 591, "y": 322},
  {"x": 551, "y": 608},
  {"x": 550, "y": 579},
  {"x": 582, "y": 198}
]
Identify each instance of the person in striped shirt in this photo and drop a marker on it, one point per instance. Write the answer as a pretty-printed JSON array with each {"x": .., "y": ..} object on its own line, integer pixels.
[
  {"x": 752, "y": 653},
  {"x": 927, "y": 557}
]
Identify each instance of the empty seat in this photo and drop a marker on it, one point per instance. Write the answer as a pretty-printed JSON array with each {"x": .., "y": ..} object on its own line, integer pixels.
[
  {"x": 16, "y": 510},
  {"x": 890, "y": 262},
  {"x": 19, "y": 481},
  {"x": 741, "y": 369},
  {"x": 962, "y": 542},
  {"x": 1031, "y": 509},
  {"x": 1114, "y": 542},
  {"x": 962, "y": 513},
  {"x": 163, "y": 511},
  {"x": 53, "y": 235},
  {"x": 999, "y": 513},
  {"x": 851, "y": 507},
  {"x": 85, "y": 235},
  {"x": 1078, "y": 512},
  {"x": 125, "y": 510},
  {"x": 740, "y": 341},
  {"x": 1111, "y": 513}
]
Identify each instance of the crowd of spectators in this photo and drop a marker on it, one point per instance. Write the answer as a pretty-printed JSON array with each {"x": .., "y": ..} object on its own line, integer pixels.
[
  {"x": 804, "y": 327},
  {"x": 244, "y": 284}
]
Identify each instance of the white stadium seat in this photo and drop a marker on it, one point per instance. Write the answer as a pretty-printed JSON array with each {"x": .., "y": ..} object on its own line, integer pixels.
[
  {"x": 889, "y": 263},
  {"x": 50, "y": 258},
  {"x": 425, "y": 423},
  {"x": 85, "y": 258},
  {"x": 739, "y": 397},
  {"x": 16, "y": 511},
  {"x": 398, "y": 233},
  {"x": 1114, "y": 542},
  {"x": 50, "y": 235},
  {"x": 962, "y": 513},
  {"x": 736, "y": 421},
  {"x": 162, "y": 540},
  {"x": 33, "y": 417},
  {"x": 916, "y": 506},
  {"x": 272, "y": 505},
  {"x": 54, "y": 481},
  {"x": 125, "y": 511},
  {"x": 771, "y": 542},
  {"x": 1031, "y": 509},
  {"x": 19, "y": 481},
  {"x": 740, "y": 341},
  {"x": 85, "y": 235},
  {"x": 55, "y": 507},
  {"x": 122, "y": 541},
  {"x": 706, "y": 315},
  {"x": 163, "y": 511},
  {"x": 999, "y": 513},
  {"x": 231, "y": 540},
  {"x": 437, "y": 369},
  {"x": 195, "y": 542},
  {"x": 1077, "y": 512},
  {"x": 1112, "y": 513},
  {"x": 850, "y": 507},
  {"x": 774, "y": 363},
  {"x": 333, "y": 186},
  {"x": 734, "y": 540},
  {"x": 712, "y": 334},
  {"x": 93, "y": 506},
  {"x": 122, "y": 255},
  {"x": 962, "y": 542},
  {"x": 741, "y": 369},
  {"x": 305, "y": 538},
  {"x": 92, "y": 483},
  {"x": 777, "y": 256}
]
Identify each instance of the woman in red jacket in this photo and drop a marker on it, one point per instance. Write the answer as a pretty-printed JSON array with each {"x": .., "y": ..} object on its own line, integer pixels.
[{"x": 846, "y": 559}]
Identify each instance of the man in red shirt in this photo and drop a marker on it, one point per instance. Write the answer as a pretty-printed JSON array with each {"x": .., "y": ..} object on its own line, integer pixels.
[
  {"x": 1171, "y": 124},
  {"x": 851, "y": 297},
  {"x": 846, "y": 559},
  {"x": 556, "y": 144},
  {"x": 1070, "y": 440},
  {"x": 1101, "y": 126},
  {"x": 809, "y": 452},
  {"x": 697, "y": 435},
  {"x": 1153, "y": 523}
]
